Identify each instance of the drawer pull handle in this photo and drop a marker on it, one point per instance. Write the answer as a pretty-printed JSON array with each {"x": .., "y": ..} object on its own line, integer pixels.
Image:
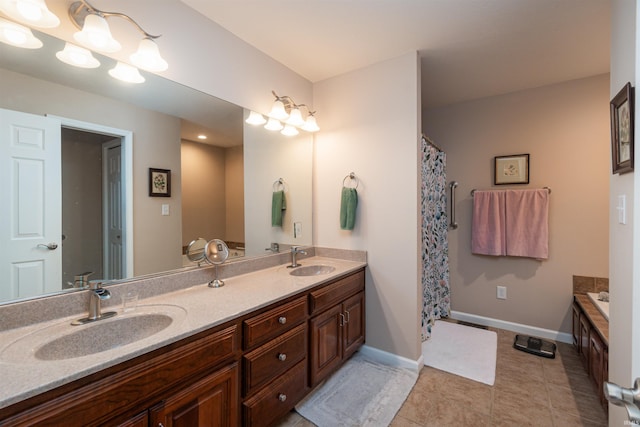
[
  {"x": 282, "y": 357},
  {"x": 282, "y": 320},
  {"x": 282, "y": 397},
  {"x": 342, "y": 319}
]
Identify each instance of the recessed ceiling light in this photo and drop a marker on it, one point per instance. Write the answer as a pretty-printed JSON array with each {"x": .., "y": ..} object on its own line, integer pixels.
[{"x": 202, "y": 136}]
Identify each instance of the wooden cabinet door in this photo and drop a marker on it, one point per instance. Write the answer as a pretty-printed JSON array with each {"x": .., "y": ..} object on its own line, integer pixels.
[
  {"x": 576, "y": 325},
  {"x": 596, "y": 358},
  {"x": 209, "y": 402},
  {"x": 140, "y": 420},
  {"x": 326, "y": 343},
  {"x": 584, "y": 340},
  {"x": 353, "y": 328}
]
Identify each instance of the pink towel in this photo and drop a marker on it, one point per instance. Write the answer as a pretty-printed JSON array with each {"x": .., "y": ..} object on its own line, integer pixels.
[
  {"x": 488, "y": 226},
  {"x": 527, "y": 223}
]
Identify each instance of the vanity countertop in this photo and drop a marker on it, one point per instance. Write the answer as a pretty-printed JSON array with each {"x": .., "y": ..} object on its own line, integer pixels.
[
  {"x": 205, "y": 308},
  {"x": 595, "y": 316}
]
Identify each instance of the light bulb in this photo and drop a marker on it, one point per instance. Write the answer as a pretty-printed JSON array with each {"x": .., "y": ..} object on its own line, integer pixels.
[
  {"x": 96, "y": 35},
  {"x": 18, "y": 35},
  {"x": 31, "y": 12},
  {"x": 77, "y": 56},
  {"x": 126, "y": 73},
  {"x": 277, "y": 111},
  {"x": 148, "y": 56},
  {"x": 289, "y": 131},
  {"x": 255, "y": 119},
  {"x": 295, "y": 118},
  {"x": 273, "y": 124}
]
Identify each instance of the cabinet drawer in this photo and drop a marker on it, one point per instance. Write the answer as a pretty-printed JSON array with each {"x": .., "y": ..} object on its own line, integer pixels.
[
  {"x": 278, "y": 398},
  {"x": 261, "y": 328},
  {"x": 273, "y": 358},
  {"x": 334, "y": 293}
]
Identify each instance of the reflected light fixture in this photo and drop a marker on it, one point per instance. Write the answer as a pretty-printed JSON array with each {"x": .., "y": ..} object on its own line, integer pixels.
[
  {"x": 31, "y": 12},
  {"x": 18, "y": 35},
  {"x": 284, "y": 109},
  {"x": 77, "y": 56},
  {"x": 255, "y": 119},
  {"x": 95, "y": 34},
  {"x": 202, "y": 137},
  {"x": 126, "y": 73}
]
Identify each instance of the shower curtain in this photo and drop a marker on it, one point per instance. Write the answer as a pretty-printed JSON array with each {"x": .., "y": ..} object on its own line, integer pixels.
[{"x": 435, "y": 248}]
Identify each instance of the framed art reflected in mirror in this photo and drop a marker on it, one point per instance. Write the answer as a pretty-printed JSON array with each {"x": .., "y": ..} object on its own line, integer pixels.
[
  {"x": 621, "y": 108},
  {"x": 159, "y": 182}
]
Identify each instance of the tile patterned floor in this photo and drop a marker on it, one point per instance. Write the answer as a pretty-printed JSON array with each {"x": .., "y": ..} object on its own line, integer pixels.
[{"x": 529, "y": 391}]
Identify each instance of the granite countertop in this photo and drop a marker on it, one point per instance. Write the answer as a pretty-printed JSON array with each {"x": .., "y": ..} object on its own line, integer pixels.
[
  {"x": 196, "y": 309},
  {"x": 597, "y": 319}
]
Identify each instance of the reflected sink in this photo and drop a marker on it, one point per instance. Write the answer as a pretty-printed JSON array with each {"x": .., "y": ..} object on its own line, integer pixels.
[
  {"x": 64, "y": 341},
  {"x": 312, "y": 270}
]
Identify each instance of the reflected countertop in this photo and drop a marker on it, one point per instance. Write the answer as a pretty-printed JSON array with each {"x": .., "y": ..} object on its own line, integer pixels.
[{"x": 205, "y": 308}]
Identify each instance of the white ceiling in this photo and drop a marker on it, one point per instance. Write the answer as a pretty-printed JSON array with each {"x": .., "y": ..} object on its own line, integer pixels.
[{"x": 468, "y": 48}]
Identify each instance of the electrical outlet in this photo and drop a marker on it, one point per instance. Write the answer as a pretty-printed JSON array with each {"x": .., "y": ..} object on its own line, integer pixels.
[
  {"x": 501, "y": 292},
  {"x": 297, "y": 229}
]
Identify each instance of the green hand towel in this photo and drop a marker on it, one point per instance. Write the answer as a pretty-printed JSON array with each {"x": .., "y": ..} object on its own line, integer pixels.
[
  {"x": 348, "y": 205},
  {"x": 278, "y": 205}
]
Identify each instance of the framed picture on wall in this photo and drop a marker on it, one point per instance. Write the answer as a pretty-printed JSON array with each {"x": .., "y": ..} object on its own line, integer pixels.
[
  {"x": 621, "y": 107},
  {"x": 159, "y": 182},
  {"x": 513, "y": 169}
]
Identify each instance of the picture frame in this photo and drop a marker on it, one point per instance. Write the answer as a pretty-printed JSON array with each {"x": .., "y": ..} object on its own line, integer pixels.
[
  {"x": 159, "y": 182},
  {"x": 512, "y": 169},
  {"x": 622, "y": 138}
]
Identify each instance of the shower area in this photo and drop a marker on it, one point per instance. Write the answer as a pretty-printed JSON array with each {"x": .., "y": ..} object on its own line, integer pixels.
[{"x": 436, "y": 292}]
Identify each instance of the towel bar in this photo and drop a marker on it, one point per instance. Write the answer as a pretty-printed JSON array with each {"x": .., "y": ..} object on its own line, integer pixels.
[{"x": 546, "y": 188}]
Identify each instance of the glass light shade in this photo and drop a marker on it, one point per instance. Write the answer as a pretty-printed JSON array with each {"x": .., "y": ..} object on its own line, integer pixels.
[
  {"x": 31, "y": 12},
  {"x": 277, "y": 111},
  {"x": 77, "y": 56},
  {"x": 295, "y": 118},
  {"x": 96, "y": 35},
  {"x": 18, "y": 35},
  {"x": 273, "y": 124},
  {"x": 148, "y": 56},
  {"x": 126, "y": 73},
  {"x": 255, "y": 119},
  {"x": 289, "y": 131},
  {"x": 311, "y": 125}
]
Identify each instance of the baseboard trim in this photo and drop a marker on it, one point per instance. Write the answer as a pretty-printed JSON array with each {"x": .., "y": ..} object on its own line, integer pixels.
[
  {"x": 391, "y": 359},
  {"x": 514, "y": 327}
]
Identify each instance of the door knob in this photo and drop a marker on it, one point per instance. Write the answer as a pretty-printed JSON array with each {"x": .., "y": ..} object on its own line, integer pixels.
[
  {"x": 627, "y": 397},
  {"x": 50, "y": 246}
]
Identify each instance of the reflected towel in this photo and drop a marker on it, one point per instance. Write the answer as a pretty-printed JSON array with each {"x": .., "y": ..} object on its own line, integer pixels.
[
  {"x": 348, "y": 205},
  {"x": 527, "y": 223},
  {"x": 488, "y": 224},
  {"x": 278, "y": 205}
]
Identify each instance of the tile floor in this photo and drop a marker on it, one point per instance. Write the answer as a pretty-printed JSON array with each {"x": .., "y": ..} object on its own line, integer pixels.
[{"x": 529, "y": 391}]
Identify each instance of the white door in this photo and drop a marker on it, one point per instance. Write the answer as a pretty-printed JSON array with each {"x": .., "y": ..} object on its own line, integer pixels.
[
  {"x": 113, "y": 225},
  {"x": 30, "y": 211}
]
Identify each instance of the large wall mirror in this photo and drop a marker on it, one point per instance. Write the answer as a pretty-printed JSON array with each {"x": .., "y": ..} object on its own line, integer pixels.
[{"x": 91, "y": 207}]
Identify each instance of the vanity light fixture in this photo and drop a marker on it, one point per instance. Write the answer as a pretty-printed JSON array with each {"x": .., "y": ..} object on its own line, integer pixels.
[
  {"x": 31, "y": 12},
  {"x": 126, "y": 73},
  {"x": 95, "y": 34},
  {"x": 77, "y": 56},
  {"x": 285, "y": 110},
  {"x": 18, "y": 35}
]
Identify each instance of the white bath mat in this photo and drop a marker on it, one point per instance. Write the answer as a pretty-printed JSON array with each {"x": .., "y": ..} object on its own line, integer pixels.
[
  {"x": 462, "y": 350},
  {"x": 360, "y": 393}
]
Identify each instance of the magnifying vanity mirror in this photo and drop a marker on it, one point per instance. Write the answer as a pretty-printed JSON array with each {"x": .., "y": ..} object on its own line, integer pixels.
[{"x": 105, "y": 218}]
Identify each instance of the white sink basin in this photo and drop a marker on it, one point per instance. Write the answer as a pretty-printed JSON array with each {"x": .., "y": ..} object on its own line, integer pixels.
[
  {"x": 63, "y": 341},
  {"x": 312, "y": 270}
]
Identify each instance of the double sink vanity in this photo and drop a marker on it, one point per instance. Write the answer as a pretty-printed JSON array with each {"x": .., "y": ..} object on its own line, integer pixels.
[{"x": 187, "y": 354}]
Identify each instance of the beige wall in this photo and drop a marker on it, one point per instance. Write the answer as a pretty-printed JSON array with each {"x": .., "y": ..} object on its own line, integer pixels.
[
  {"x": 156, "y": 144},
  {"x": 565, "y": 129},
  {"x": 624, "y": 240},
  {"x": 234, "y": 193},
  {"x": 370, "y": 126}
]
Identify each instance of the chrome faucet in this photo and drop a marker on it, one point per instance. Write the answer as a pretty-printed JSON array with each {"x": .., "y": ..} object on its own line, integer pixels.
[
  {"x": 295, "y": 250},
  {"x": 97, "y": 294},
  {"x": 82, "y": 280}
]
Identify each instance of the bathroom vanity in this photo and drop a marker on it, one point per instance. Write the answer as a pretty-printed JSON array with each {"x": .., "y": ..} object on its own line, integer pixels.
[{"x": 226, "y": 363}]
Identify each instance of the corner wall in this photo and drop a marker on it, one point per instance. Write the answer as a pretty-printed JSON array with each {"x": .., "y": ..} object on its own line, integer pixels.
[
  {"x": 565, "y": 129},
  {"x": 370, "y": 126}
]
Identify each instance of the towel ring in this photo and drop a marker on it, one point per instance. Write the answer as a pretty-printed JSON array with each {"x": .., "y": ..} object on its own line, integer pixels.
[
  {"x": 352, "y": 177},
  {"x": 279, "y": 182}
]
